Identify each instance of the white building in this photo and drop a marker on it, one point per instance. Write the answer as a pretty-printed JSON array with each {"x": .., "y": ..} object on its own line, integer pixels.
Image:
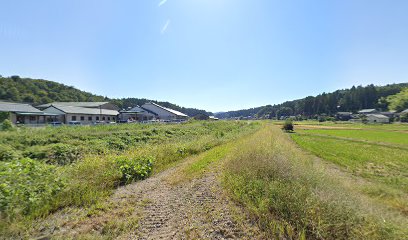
[
  {"x": 377, "y": 118},
  {"x": 163, "y": 113},
  {"x": 85, "y": 113}
]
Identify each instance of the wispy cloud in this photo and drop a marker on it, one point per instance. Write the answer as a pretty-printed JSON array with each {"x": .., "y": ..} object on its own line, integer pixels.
[
  {"x": 162, "y": 2},
  {"x": 166, "y": 25}
]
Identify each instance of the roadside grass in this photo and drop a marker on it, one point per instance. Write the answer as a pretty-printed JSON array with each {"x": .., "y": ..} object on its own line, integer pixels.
[
  {"x": 92, "y": 175},
  {"x": 291, "y": 197}
]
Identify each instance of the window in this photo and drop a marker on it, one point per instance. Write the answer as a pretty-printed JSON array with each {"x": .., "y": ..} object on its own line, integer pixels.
[
  {"x": 108, "y": 118},
  {"x": 89, "y": 118},
  {"x": 113, "y": 118},
  {"x": 32, "y": 118},
  {"x": 103, "y": 118},
  {"x": 97, "y": 118},
  {"x": 82, "y": 118},
  {"x": 73, "y": 118}
]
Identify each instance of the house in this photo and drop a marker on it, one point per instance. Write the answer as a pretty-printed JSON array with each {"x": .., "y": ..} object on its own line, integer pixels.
[
  {"x": 136, "y": 114},
  {"x": 368, "y": 111},
  {"x": 21, "y": 113},
  {"x": 390, "y": 114},
  {"x": 98, "y": 105},
  {"x": 163, "y": 113},
  {"x": 344, "y": 116},
  {"x": 84, "y": 115},
  {"x": 213, "y": 118},
  {"x": 377, "y": 118}
]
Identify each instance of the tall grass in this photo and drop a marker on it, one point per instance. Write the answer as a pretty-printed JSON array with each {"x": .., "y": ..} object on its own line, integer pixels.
[
  {"x": 292, "y": 198},
  {"x": 85, "y": 160}
]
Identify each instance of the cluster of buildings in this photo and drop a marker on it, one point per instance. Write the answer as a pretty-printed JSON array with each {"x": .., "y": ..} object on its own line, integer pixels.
[
  {"x": 87, "y": 113},
  {"x": 369, "y": 115}
]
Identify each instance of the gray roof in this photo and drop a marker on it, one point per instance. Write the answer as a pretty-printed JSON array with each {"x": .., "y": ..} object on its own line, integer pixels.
[
  {"x": 74, "y": 104},
  {"x": 169, "y": 110},
  {"x": 378, "y": 116},
  {"x": 18, "y": 108},
  {"x": 367, "y": 110},
  {"x": 83, "y": 110},
  {"x": 405, "y": 111},
  {"x": 344, "y": 113},
  {"x": 136, "y": 109}
]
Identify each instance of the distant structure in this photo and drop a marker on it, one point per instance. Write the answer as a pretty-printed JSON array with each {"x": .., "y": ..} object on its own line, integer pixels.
[
  {"x": 84, "y": 115},
  {"x": 377, "y": 118},
  {"x": 368, "y": 111},
  {"x": 98, "y": 105},
  {"x": 344, "y": 116},
  {"x": 21, "y": 113},
  {"x": 163, "y": 113}
]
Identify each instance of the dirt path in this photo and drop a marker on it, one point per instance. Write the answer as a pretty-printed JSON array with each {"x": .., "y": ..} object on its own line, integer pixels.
[
  {"x": 156, "y": 208},
  {"x": 193, "y": 210}
]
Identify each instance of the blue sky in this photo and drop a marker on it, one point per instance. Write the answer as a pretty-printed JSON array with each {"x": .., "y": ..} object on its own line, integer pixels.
[{"x": 210, "y": 54}]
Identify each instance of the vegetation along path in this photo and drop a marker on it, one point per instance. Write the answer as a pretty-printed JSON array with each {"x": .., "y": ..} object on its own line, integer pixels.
[{"x": 184, "y": 202}]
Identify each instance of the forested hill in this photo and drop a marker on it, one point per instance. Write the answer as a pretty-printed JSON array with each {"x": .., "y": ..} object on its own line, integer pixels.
[
  {"x": 38, "y": 91},
  {"x": 346, "y": 100}
]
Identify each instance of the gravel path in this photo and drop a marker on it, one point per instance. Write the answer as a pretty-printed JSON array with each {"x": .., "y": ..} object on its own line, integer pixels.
[
  {"x": 193, "y": 210},
  {"x": 156, "y": 208}
]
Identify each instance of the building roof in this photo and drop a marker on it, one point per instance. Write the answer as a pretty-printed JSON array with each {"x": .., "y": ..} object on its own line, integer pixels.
[
  {"x": 169, "y": 110},
  {"x": 18, "y": 108},
  {"x": 367, "y": 110},
  {"x": 405, "y": 111},
  {"x": 83, "y": 110},
  {"x": 74, "y": 104},
  {"x": 344, "y": 113},
  {"x": 378, "y": 116}
]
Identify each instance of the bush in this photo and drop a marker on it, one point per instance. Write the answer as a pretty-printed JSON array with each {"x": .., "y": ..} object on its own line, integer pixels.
[
  {"x": 288, "y": 125},
  {"x": 404, "y": 117},
  {"x": 7, "y": 125},
  {"x": 26, "y": 186},
  {"x": 132, "y": 169},
  {"x": 8, "y": 153},
  {"x": 63, "y": 154}
]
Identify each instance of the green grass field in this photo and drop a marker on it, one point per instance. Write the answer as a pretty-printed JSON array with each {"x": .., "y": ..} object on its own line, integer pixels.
[{"x": 378, "y": 156}]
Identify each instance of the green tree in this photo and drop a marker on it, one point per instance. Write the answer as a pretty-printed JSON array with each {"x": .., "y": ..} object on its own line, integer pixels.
[{"x": 399, "y": 101}]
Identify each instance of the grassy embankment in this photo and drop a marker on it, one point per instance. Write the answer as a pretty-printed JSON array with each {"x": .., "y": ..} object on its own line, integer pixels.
[
  {"x": 43, "y": 170},
  {"x": 291, "y": 195}
]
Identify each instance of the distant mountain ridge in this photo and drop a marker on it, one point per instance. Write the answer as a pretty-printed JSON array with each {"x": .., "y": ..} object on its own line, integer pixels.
[
  {"x": 347, "y": 100},
  {"x": 39, "y": 91}
]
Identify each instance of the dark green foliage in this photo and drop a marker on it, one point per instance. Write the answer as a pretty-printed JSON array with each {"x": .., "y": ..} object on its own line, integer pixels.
[
  {"x": 288, "y": 125},
  {"x": 8, "y": 153},
  {"x": 404, "y": 117},
  {"x": 132, "y": 169},
  {"x": 347, "y": 100},
  {"x": 26, "y": 186},
  {"x": 6, "y": 125},
  {"x": 4, "y": 116},
  {"x": 63, "y": 154}
]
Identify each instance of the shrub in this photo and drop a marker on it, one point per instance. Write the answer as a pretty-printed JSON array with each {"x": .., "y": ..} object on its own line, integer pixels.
[
  {"x": 132, "y": 169},
  {"x": 63, "y": 154},
  {"x": 7, "y": 125},
  {"x": 404, "y": 117},
  {"x": 288, "y": 125},
  {"x": 26, "y": 186},
  {"x": 8, "y": 153}
]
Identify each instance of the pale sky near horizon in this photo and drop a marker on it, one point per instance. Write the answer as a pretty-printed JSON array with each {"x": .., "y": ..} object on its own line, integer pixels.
[{"x": 216, "y": 55}]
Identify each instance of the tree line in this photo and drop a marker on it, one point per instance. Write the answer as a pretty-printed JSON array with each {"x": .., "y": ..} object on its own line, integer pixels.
[
  {"x": 345, "y": 100},
  {"x": 39, "y": 91}
]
